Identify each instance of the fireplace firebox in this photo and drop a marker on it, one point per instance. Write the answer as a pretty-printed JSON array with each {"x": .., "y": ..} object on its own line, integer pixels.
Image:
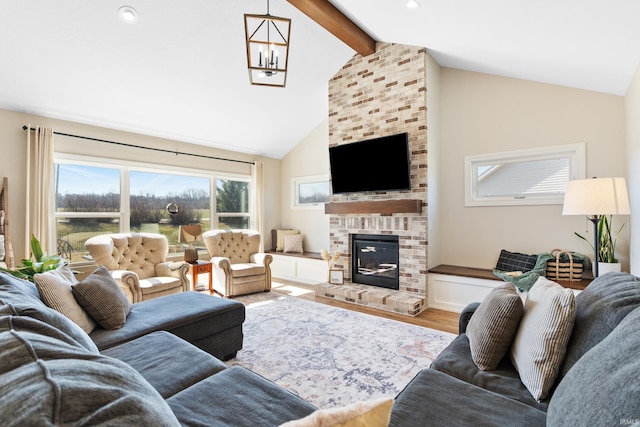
[{"x": 375, "y": 260}]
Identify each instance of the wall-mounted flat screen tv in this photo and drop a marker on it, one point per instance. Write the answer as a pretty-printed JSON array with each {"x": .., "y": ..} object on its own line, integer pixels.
[{"x": 379, "y": 164}]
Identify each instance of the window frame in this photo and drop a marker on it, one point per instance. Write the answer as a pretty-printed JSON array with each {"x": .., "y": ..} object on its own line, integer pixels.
[{"x": 575, "y": 153}]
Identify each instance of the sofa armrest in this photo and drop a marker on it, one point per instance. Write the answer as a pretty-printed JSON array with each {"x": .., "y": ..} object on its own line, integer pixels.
[
  {"x": 129, "y": 283},
  {"x": 261, "y": 258},
  {"x": 465, "y": 316},
  {"x": 178, "y": 269},
  {"x": 222, "y": 263}
]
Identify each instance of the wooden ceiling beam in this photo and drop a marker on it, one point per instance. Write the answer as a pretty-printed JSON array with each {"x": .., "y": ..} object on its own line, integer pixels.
[{"x": 334, "y": 21}]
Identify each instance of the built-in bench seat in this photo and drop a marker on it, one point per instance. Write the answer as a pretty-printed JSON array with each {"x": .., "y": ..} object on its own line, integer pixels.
[
  {"x": 305, "y": 267},
  {"x": 452, "y": 287}
]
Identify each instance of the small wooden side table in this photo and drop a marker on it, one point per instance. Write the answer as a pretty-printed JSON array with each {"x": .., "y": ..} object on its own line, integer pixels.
[{"x": 202, "y": 267}]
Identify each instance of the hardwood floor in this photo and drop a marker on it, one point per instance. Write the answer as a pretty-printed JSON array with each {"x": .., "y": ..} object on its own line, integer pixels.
[{"x": 441, "y": 320}]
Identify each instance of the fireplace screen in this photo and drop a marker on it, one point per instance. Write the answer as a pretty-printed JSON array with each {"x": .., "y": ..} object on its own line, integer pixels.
[{"x": 375, "y": 260}]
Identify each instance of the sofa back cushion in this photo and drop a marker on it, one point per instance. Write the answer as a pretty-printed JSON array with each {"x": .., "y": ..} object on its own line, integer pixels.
[
  {"x": 602, "y": 387},
  {"x": 21, "y": 298},
  {"x": 137, "y": 252},
  {"x": 237, "y": 245},
  {"x": 47, "y": 378},
  {"x": 600, "y": 308}
]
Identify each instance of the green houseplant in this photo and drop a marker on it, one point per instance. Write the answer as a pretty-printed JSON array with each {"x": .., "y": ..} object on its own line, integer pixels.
[
  {"x": 41, "y": 262},
  {"x": 606, "y": 241}
]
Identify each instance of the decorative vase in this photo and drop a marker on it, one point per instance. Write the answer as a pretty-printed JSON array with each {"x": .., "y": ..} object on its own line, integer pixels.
[
  {"x": 605, "y": 267},
  {"x": 190, "y": 254}
]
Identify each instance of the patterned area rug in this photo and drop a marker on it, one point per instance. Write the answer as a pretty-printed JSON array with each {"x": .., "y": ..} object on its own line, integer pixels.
[{"x": 331, "y": 356}]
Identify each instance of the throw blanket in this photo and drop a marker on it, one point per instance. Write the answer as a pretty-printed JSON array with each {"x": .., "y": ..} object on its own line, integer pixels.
[{"x": 525, "y": 281}]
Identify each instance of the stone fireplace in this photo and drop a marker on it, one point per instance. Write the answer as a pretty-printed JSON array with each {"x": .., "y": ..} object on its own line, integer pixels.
[{"x": 379, "y": 95}]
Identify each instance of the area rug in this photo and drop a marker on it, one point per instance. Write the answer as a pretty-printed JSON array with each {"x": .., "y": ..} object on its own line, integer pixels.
[{"x": 331, "y": 356}]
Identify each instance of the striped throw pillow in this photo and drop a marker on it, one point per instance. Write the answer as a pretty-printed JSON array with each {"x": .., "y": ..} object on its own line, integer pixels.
[
  {"x": 103, "y": 299},
  {"x": 493, "y": 326},
  {"x": 55, "y": 290},
  {"x": 541, "y": 341}
]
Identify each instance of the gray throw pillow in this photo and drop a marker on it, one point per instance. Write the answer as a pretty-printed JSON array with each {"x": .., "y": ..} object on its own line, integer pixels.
[
  {"x": 493, "y": 326},
  {"x": 103, "y": 299},
  {"x": 602, "y": 387}
]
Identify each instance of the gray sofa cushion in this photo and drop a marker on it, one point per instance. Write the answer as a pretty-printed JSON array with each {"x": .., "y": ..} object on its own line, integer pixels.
[
  {"x": 602, "y": 388},
  {"x": 237, "y": 397},
  {"x": 25, "y": 300},
  {"x": 600, "y": 307},
  {"x": 455, "y": 360},
  {"x": 192, "y": 316},
  {"x": 169, "y": 363},
  {"x": 47, "y": 378},
  {"x": 433, "y": 398}
]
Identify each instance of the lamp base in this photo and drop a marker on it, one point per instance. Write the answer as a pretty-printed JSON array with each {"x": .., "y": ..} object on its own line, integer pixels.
[{"x": 191, "y": 254}]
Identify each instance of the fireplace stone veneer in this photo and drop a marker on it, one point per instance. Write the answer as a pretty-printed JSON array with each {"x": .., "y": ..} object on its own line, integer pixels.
[{"x": 382, "y": 94}]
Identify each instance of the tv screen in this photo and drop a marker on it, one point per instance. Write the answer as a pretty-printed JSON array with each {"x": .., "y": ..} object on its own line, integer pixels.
[{"x": 379, "y": 164}]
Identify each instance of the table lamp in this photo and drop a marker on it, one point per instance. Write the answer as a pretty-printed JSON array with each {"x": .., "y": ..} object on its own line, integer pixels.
[
  {"x": 189, "y": 234},
  {"x": 594, "y": 198}
]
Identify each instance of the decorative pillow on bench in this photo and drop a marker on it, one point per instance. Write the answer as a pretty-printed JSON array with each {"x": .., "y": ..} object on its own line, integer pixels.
[{"x": 293, "y": 243}]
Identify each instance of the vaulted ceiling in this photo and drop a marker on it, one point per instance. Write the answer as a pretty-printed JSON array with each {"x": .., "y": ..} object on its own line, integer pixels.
[{"x": 180, "y": 72}]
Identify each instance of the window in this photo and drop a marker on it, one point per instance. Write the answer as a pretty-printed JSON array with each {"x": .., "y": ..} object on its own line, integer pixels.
[
  {"x": 95, "y": 198},
  {"x": 526, "y": 177},
  {"x": 232, "y": 204},
  {"x": 310, "y": 192}
]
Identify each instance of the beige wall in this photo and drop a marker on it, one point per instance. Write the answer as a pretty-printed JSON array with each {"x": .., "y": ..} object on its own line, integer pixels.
[
  {"x": 632, "y": 110},
  {"x": 482, "y": 114},
  {"x": 309, "y": 158},
  {"x": 13, "y": 160}
]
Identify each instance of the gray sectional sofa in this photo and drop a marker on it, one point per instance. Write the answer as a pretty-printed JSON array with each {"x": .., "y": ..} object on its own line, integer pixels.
[
  {"x": 598, "y": 382},
  {"x": 157, "y": 370},
  {"x": 160, "y": 369}
]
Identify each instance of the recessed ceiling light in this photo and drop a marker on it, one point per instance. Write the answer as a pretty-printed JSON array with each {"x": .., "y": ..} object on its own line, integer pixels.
[
  {"x": 413, "y": 4},
  {"x": 128, "y": 14}
]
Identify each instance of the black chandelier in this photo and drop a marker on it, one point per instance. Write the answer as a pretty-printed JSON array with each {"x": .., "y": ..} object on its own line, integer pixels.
[{"x": 267, "y": 48}]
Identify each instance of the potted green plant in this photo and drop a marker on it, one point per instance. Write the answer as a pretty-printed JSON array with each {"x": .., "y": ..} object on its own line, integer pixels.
[
  {"x": 41, "y": 262},
  {"x": 607, "y": 260}
]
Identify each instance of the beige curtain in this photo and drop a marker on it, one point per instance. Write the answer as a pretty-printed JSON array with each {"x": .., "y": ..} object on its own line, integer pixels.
[
  {"x": 257, "y": 192},
  {"x": 40, "y": 207}
]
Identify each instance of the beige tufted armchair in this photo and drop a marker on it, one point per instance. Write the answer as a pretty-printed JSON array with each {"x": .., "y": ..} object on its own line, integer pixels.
[
  {"x": 238, "y": 266},
  {"x": 138, "y": 263}
]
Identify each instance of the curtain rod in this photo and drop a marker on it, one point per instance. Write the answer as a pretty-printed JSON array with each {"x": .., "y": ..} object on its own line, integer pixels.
[{"x": 162, "y": 150}]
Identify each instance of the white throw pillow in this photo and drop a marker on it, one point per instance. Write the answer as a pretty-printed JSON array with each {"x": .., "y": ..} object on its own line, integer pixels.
[
  {"x": 541, "y": 341},
  {"x": 280, "y": 238},
  {"x": 371, "y": 413},
  {"x": 293, "y": 243},
  {"x": 55, "y": 289}
]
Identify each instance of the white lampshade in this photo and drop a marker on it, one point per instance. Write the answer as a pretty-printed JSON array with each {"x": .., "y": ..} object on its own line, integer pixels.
[{"x": 596, "y": 196}]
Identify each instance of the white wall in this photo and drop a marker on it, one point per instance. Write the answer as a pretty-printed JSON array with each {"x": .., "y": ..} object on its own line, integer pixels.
[
  {"x": 632, "y": 110},
  {"x": 13, "y": 160},
  {"x": 482, "y": 114},
  {"x": 309, "y": 158}
]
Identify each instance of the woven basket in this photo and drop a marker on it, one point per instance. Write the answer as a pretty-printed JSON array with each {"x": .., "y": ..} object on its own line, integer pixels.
[{"x": 568, "y": 271}]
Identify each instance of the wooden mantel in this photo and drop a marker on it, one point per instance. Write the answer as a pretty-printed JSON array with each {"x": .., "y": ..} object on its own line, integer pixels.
[{"x": 382, "y": 207}]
